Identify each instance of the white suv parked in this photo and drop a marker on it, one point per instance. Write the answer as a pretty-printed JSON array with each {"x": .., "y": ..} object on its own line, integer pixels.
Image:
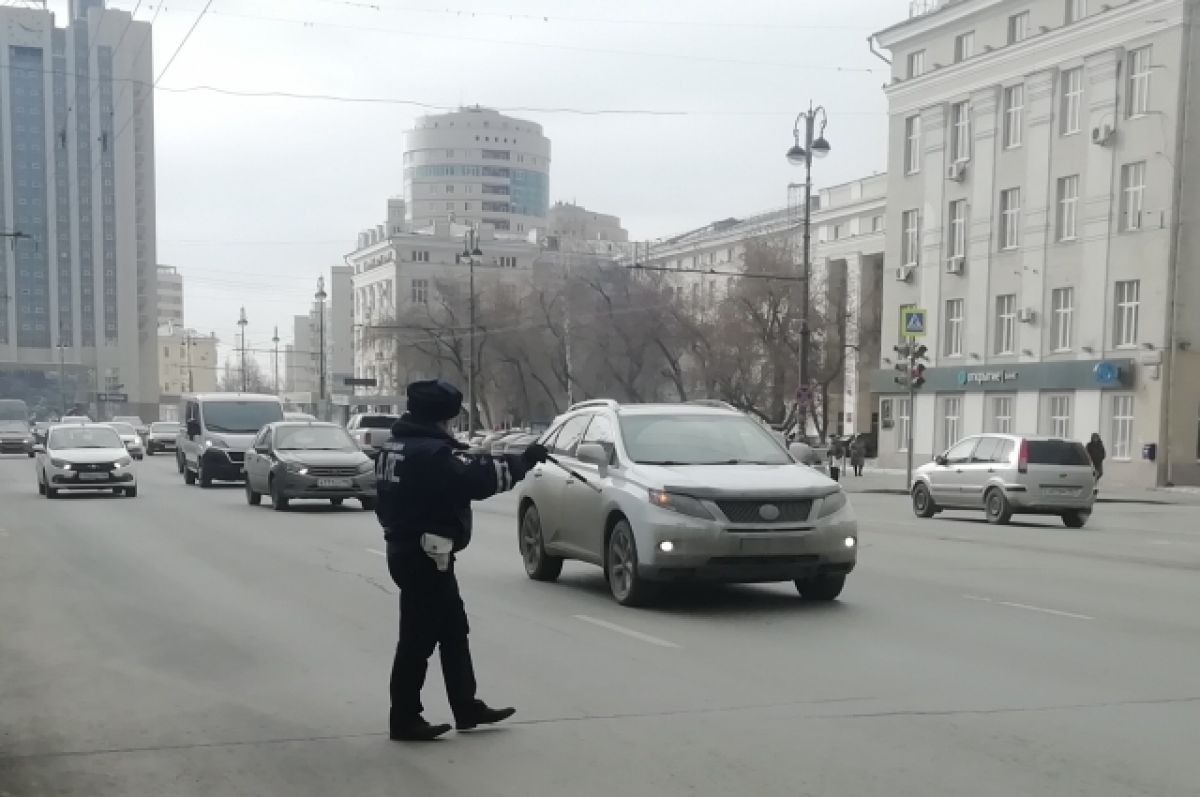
[{"x": 679, "y": 492}]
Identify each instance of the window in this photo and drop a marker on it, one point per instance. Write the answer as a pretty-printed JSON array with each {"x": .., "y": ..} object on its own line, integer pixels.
[
  {"x": 1010, "y": 218},
  {"x": 916, "y": 63},
  {"x": 951, "y": 421},
  {"x": 1076, "y": 10},
  {"x": 1137, "y": 100},
  {"x": 572, "y": 431},
  {"x": 1000, "y": 414},
  {"x": 1014, "y": 113},
  {"x": 506, "y": 261},
  {"x": 1121, "y": 446},
  {"x": 420, "y": 291},
  {"x": 1006, "y": 324},
  {"x": 954, "y": 328},
  {"x": 496, "y": 154},
  {"x": 1058, "y": 415},
  {"x": 1126, "y": 300},
  {"x": 1062, "y": 318},
  {"x": 1068, "y": 206},
  {"x": 1072, "y": 101},
  {"x": 958, "y": 228},
  {"x": 964, "y": 46},
  {"x": 988, "y": 449},
  {"x": 960, "y": 140},
  {"x": 420, "y": 255},
  {"x": 1133, "y": 190},
  {"x": 876, "y": 223},
  {"x": 912, "y": 144},
  {"x": 903, "y": 423},
  {"x": 1018, "y": 27},
  {"x": 911, "y": 222}
]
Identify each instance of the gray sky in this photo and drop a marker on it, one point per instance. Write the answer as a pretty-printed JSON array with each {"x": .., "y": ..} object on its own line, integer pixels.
[{"x": 259, "y": 196}]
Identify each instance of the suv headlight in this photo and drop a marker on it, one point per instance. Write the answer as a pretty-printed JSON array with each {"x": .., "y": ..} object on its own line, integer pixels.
[
  {"x": 210, "y": 443},
  {"x": 683, "y": 504},
  {"x": 366, "y": 467},
  {"x": 833, "y": 503},
  {"x": 123, "y": 462},
  {"x": 61, "y": 464},
  {"x": 296, "y": 467}
]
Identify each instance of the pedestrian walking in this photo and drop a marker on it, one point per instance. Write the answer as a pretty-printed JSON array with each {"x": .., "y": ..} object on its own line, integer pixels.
[
  {"x": 837, "y": 455},
  {"x": 858, "y": 456},
  {"x": 426, "y": 484},
  {"x": 1096, "y": 452}
]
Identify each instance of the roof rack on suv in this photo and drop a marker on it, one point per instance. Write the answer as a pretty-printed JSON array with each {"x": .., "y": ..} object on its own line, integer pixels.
[
  {"x": 579, "y": 405},
  {"x": 723, "y": 405}
]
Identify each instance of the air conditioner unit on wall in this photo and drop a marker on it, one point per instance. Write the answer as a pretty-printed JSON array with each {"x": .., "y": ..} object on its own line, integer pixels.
[
  {"x": 905, "y": 273},
  {"x": 1027, "y": 315},
  {"x": 1103, "y": 135},
  {"x": 955, "y": 264},
  {"x": 957, "y": 171}
]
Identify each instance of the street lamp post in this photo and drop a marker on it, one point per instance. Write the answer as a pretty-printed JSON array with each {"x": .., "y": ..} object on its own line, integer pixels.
[
  {"x": 814, "y": 145},
  {"x": 275, "y": 360},
  {"x": 242, "y": 321},
  {"x": 471, "y": 251},
  {"x": 321, "y": 296}
]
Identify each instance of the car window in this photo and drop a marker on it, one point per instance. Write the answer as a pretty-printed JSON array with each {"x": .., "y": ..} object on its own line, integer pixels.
[
  {"x": 961, "y": 452},
  {"x": 568, "y": 438},
  {"x": 1006, "y": 451},
  {"x": 376, "y": 421},
  {"x": 123, "y": 428},
  {"x": 84, "y": 437},
  {"x": 240, "y": 417},
  {"x": 709, "y": 439},
  {"x": 600, "y": 430},
  {"x": 1058, "y": 452},
  {"x": 164, "y": 426},
  {"x": 987, "y": 449}
]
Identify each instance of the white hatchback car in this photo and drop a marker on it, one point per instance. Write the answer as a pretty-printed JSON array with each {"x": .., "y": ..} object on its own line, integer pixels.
[
  {"x": 135, "y": 444},
  {"x": 84, "y": 457},
  {"x": 681, "y": 492}
]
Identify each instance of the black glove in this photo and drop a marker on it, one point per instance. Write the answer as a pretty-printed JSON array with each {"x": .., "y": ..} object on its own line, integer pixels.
[{"x": 535, "y": 454}]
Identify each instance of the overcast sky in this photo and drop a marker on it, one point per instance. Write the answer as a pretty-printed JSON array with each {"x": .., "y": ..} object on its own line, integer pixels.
[{"x": 259, "y": 196}]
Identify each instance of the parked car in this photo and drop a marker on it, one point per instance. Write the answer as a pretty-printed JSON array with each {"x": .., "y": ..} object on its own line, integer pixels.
[
  {"x": 217, "y": 430},
  {"x": 133, "y": 441},
  {"x": 162, "y": 437},
  {"x": 1006, "y": 475},
  {"x": 290, "y": 461},
  {"x": 84, "y": 457},
  {"x": 371, "y": 430},
  {"x": 682, "y": 492},
  {"x": 140, "y": 426}
]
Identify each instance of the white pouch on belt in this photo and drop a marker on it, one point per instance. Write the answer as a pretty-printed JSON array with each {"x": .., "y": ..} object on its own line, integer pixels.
[{"x": 439, "y": 549}]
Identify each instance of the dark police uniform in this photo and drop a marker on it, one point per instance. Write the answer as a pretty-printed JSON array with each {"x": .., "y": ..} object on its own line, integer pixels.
[{"x": 426, "y": 484}]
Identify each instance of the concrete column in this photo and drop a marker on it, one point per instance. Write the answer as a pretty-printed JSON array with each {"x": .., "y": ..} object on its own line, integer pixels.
[{"x": 853, "y": 310}]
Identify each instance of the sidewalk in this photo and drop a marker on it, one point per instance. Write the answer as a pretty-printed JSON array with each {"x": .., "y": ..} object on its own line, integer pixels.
[{"x": 890, "y": 481}]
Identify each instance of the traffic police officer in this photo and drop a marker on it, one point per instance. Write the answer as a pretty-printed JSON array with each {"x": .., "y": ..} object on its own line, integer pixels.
[{"x": 426, "y": 483}]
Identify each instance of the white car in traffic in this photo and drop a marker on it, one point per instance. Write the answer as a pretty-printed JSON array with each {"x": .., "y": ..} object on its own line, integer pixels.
[
  {"x": 84, "y": 457},
  {"x": 135, "y": 444}
]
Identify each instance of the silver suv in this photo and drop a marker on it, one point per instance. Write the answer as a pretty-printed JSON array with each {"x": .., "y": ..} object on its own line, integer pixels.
[
  {"x": 675, "y": 492},
  {"x": 1009, "y": 474}
]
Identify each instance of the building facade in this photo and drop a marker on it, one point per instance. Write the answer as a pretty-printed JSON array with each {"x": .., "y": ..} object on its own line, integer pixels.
[
  {"x": 1037, "y": 162},
  {"x": 78, "y": 282},
  {"x": 566, "y": 220},
  {"x": 187, "y": 363},
  {"x": 476, "y": 166},
  {"x": 170, "y": 297},
  {"x": 847, "y": 257}
]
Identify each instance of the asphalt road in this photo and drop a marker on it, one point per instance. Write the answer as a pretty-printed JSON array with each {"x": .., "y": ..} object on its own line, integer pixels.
[{"x": 183, "y": 643}]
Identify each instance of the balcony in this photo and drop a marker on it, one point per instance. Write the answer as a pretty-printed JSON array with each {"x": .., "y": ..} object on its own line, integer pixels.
[{"x": 919, "y": 8}]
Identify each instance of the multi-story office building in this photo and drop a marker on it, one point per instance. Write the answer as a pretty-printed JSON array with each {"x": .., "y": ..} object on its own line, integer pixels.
[
  {"x": 1037, "y": 166},
  {"x": 77, "y": 283},
  {"x": 187, "y": 362},
  {"x": 170, "y": 297},
  {"x": 476, "y": 166},
  {"x": 847, "y": 264},
  {"x": 566, "y": 220}
]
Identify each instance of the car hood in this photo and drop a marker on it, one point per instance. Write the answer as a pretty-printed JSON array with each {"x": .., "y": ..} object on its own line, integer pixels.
[
  {"x": 86, "y": 456},
  {"x": 324, "y": 459},
  {"x": 13, "y": 428},
  {"x": 738, "y": 481}
]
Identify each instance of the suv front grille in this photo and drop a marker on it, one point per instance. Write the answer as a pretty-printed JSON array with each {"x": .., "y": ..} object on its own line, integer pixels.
[
  {"x": 789, "y": 511},
  {"x": 333, "y": 472}
]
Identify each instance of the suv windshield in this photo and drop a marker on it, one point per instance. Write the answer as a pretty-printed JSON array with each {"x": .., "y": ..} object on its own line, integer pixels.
[
  {"x": 377, "y": 421},
  {"x": 240, "y": 417},
  {"x": 699, "y": 440},
  {"x": 313, "y": 438},
  {"x": 85, "y": 437},
  {"x": 1058, "y": 452},
  {"x": 164, "y": 427},
  {"x": 123, "y": 428}
]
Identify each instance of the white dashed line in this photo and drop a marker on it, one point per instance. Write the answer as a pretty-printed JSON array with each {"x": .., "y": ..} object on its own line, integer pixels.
[
  {"x": 629, "y": 632},
  {"x": 377, "y": 553},
  {"x": 1028, "y": 608}
]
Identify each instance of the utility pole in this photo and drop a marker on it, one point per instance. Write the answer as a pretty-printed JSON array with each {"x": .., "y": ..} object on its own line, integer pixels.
[
  {"x": 470, "y": 252},
  {"x": 320, "y": 297},
  {"x": 814, "y": 145},
  {"x": 567, "y": 355},
  {"x": 242, "y": 323},
  {"x": 275, "y": 359},
  {"x": 62, "y": 372},
  {"x": 187, "y": 348}
]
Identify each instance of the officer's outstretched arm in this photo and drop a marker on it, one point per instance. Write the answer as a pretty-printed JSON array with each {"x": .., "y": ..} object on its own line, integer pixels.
[{"x": 480, "y": 477}]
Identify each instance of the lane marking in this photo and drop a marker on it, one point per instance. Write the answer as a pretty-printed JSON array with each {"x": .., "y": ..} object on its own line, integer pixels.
[
  {"x": 629, "y": 632},
  {"x": 377, "y": 553},
  {"x": 1028, "y": 608}
]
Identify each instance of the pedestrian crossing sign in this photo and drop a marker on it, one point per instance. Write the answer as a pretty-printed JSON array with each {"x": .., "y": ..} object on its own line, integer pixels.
[{"x": 912, "y": 322}]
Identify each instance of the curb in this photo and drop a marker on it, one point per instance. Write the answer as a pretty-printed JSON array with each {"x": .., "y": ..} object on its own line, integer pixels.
[{"x": 1140, "y": 501}]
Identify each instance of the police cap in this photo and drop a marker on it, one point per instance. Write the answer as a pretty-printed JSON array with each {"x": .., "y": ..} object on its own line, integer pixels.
[{"x": 434, "y": 400}]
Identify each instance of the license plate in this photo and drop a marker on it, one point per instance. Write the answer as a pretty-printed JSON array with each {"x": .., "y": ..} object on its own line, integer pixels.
[
  {"x": 94, "y": 477},
  {"x": 1060, "y": 490},
  {"x": 335, "y": 484}
]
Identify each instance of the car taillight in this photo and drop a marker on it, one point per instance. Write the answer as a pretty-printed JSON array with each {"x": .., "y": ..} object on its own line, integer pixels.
[{"x": 1023, "y": 457}]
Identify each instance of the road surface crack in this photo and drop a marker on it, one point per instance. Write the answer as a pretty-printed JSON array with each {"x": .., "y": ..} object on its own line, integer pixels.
[{"x": 374, "y": 582}]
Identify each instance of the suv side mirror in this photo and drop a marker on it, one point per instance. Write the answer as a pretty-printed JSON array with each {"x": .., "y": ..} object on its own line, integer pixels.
[
  {"x": 593, "y": 454},
  {"x": 941, "y": 460},
  {"x": 193, "y": 428}
]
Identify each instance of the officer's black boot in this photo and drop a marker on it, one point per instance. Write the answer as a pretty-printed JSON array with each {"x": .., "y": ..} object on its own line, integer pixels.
[
  {"x": 416, "y": 730},
  {"x": 480, "y": 714}
]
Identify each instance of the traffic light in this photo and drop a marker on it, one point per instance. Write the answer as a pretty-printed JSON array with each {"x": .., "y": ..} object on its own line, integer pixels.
[{"x": 909, "y": 365}]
